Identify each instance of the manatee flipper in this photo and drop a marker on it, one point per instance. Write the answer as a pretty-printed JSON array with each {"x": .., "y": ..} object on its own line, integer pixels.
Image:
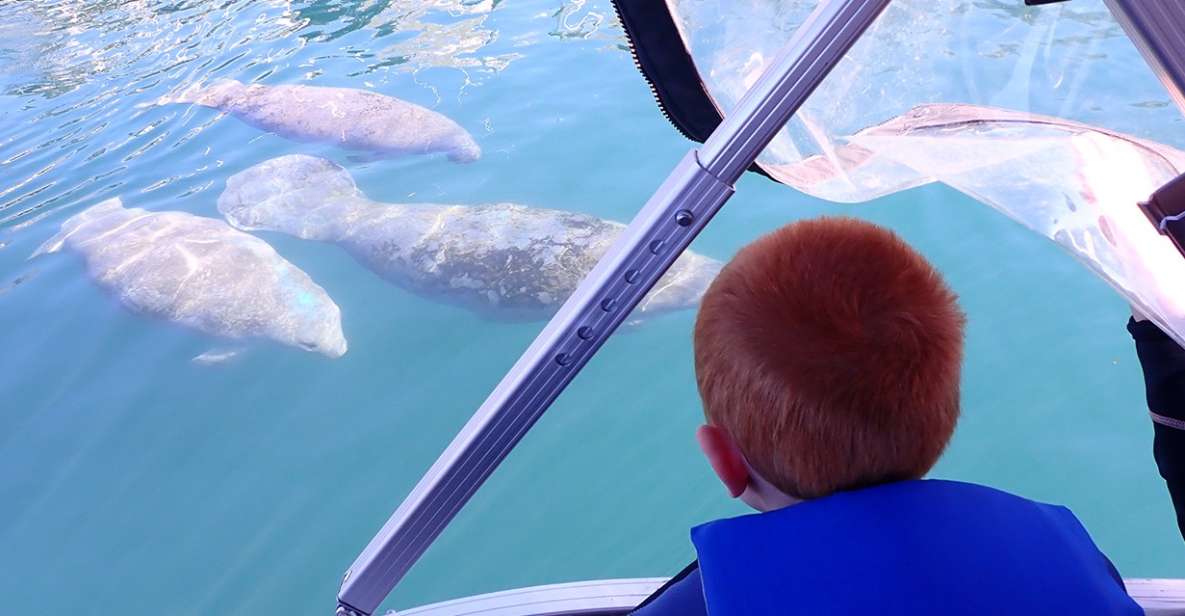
[
  {"x": 54, "y": 244},
  {"x": 18, "y": 281},
  {"x": 362, "y": 159},
  {"x": 218, "y": 356},
  {"x": 305, "y": 196}
]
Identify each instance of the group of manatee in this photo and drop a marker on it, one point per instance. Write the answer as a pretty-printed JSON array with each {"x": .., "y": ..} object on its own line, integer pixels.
[
  {"x": 499, "y": 258},
  {"x": 219, "y": 279}
]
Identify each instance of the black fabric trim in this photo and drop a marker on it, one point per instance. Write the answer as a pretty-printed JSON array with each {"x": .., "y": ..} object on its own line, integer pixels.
[
  {"x": 1163, "y": 363},
  {"x": 671, "y": 582},
  {"x": 1114, "y": 572},
  {"x": 668, "y": 69},
  {"x": 1146, "y": 331},
  {"x": 663, "y": 60}
]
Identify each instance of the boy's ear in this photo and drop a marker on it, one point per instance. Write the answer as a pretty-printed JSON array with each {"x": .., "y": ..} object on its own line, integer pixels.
[{"x": 725, "y": 458}]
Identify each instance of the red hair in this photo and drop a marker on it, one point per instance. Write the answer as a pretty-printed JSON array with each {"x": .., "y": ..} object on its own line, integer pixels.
[{"x": 831, "y": 352}]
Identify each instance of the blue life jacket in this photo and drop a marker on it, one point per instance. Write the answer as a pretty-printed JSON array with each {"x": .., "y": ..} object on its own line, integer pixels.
[{"x": 911, "y": 547}]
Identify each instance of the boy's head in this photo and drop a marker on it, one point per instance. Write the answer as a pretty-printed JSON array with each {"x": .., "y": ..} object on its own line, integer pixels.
[{"x": 828, "y": 356}]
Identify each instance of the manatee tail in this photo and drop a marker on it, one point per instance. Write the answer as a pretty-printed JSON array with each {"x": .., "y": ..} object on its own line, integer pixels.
[
  {"x": 305, "y": 196},
  {"x": 211, "y": 95},
  {"x": 188, "y": 95},
  {"x": 75, "y": 222}
]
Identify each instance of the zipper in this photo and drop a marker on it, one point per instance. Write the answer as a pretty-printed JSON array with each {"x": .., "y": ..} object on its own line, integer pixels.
[{"x": 664, "y": 106}]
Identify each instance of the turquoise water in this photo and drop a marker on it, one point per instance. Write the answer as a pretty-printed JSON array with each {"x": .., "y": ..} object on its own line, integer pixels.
[{"x": 134, "y": 481}]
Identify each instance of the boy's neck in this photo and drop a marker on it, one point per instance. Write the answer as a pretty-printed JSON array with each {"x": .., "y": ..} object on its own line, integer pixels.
[{"x": 763, "y": 496}]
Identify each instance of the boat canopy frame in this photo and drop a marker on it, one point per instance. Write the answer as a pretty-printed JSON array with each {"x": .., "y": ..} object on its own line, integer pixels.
[{"x": 681, "y": 207}]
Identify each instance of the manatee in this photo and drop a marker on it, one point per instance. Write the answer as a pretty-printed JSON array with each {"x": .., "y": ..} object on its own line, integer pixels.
[
  {"x": 201, "y": 273},
  {"x": 503, "y": 259},
  {"x": 349, "y": 118}
]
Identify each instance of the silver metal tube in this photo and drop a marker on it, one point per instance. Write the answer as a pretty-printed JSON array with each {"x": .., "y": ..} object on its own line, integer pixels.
[
  {"x": 681, "y": 207},
  {"x": 1157, "y": 27}
]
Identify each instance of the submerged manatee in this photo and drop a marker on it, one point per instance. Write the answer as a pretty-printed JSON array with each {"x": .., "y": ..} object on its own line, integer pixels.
[
  {"x": 349, "y": 118},
  {"x": 201, "y": 273},
  {"x": 503, "y": 256}
]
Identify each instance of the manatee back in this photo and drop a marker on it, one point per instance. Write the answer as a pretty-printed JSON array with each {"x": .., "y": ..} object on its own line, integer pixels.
[
  {"x": 90, "y": 223},
  {"x": 351, "y": 118},
  {"x": 507, "y": 256},
  {"x": 518, "y": 260}
]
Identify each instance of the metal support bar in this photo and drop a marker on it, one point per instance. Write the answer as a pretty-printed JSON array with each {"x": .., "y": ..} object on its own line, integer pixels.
[
  {"x": 669, "y": 221},
  {"x": 1157, "y": 27}
]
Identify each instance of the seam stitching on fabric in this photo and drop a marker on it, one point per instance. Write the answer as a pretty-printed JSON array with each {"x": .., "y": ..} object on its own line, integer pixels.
[{"x": 1167, "y": 421}]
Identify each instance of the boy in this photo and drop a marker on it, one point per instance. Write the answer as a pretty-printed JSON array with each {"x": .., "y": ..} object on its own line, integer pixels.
[{"x": 828, "y": 357}]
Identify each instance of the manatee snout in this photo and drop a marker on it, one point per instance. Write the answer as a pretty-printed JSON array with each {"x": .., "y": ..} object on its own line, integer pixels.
[
  {"x": 324, "y": 337},
  {"x": 329, "y": 348},
  {"x": 316, "y": 323},
  {"x": 237, "y": 212}
]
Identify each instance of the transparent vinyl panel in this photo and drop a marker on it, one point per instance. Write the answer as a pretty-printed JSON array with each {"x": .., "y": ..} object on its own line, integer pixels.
[{"x": 1047, "y": 114}]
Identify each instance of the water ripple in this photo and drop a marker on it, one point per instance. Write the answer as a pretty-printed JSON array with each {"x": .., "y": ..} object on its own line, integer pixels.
[{"x": 80, "y": 82}]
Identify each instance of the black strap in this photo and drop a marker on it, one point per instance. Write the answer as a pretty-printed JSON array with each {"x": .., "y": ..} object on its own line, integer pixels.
[
  {"x": 1163, "y": 363},
  {"x": 688, "y": 570},
  {"x": 664, "y": 61},
  {"x": 666, "y": 64}
]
